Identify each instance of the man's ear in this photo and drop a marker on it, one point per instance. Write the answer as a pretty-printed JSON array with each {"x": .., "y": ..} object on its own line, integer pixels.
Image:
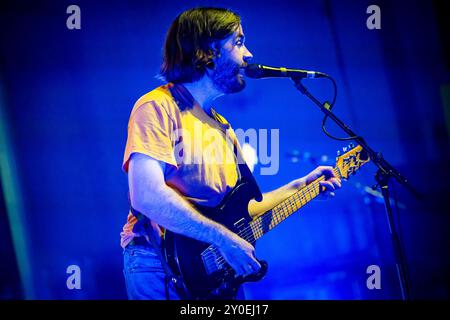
[{"x": 215, "y": 48}]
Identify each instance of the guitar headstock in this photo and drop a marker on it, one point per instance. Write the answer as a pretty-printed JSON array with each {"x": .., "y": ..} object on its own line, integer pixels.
[{"x": 351, "y": 160}]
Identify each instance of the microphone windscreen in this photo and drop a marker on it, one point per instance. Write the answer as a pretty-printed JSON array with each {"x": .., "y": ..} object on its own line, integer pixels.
[{"x": 254, "y": 71}]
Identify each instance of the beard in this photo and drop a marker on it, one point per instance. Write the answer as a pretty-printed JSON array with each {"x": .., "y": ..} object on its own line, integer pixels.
[{"x": 226, "y": 77}]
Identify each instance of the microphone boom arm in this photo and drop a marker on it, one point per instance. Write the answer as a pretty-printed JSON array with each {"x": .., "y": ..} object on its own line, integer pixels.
[{"x": 385, "y": 171}]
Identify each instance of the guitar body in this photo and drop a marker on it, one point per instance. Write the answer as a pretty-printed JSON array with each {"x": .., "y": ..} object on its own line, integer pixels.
[{"x": 200, "y": 267}]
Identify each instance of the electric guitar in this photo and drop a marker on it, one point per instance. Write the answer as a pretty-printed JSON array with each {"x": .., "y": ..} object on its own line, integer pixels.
[{"x": 200, "y": 267}]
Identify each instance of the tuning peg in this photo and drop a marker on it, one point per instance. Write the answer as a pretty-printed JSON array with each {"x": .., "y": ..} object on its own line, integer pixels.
[
  {"x": 344, "y": 149},
  {"x": 338, "y": 153},
  {"x": 350, "y": 146}
]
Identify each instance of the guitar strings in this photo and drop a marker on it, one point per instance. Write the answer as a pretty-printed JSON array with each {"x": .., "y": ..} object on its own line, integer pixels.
[
  {"x": 277, "y": 216},
  {"x": 281, "y": 212},
  {"x": 302, "y": 194},
  {"x": 298, "y": 196}
]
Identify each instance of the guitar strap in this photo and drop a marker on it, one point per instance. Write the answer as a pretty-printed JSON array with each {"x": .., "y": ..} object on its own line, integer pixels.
[{"x": 245, "y": 173}]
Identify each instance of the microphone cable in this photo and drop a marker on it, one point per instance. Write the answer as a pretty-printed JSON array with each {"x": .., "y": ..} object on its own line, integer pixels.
[{"x": 324, "y": 129}]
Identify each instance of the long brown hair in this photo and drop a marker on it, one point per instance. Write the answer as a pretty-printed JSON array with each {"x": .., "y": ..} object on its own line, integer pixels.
[{"x": 188, "y": 46}]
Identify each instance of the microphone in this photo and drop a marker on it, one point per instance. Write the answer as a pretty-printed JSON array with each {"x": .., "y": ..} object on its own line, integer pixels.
[{"x": 258, "y": 71}]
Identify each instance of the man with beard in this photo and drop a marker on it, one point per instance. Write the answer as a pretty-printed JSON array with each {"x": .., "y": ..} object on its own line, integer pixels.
[{"x": 166, "y": 160}]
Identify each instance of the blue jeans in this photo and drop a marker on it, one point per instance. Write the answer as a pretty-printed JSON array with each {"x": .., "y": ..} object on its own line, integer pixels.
[{"x": 144, "y": 274}]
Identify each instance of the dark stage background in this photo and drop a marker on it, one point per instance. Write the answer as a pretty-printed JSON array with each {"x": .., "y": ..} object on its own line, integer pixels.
[{"x": 66, "y": 96}]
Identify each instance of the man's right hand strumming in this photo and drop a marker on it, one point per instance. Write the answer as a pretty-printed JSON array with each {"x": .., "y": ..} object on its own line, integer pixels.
[{"x": 239, "y": 254}]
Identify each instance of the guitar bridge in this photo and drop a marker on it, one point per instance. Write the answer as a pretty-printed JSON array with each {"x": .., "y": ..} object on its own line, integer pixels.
[{"x": 211, "y": 258}]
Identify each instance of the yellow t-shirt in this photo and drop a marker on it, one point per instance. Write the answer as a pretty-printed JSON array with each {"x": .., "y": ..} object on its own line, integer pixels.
[{"x": 168, "y": 125}]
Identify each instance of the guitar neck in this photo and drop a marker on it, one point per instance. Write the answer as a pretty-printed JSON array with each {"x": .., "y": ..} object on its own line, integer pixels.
[{"x": 280, "y": 212}]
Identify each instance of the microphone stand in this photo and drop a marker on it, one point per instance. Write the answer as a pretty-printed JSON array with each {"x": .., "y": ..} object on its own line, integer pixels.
[{"x": 385, "y": 172}]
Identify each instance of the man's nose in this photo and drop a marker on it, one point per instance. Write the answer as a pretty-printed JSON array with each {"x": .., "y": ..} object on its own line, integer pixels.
[{"x": 247, "y": 55}]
